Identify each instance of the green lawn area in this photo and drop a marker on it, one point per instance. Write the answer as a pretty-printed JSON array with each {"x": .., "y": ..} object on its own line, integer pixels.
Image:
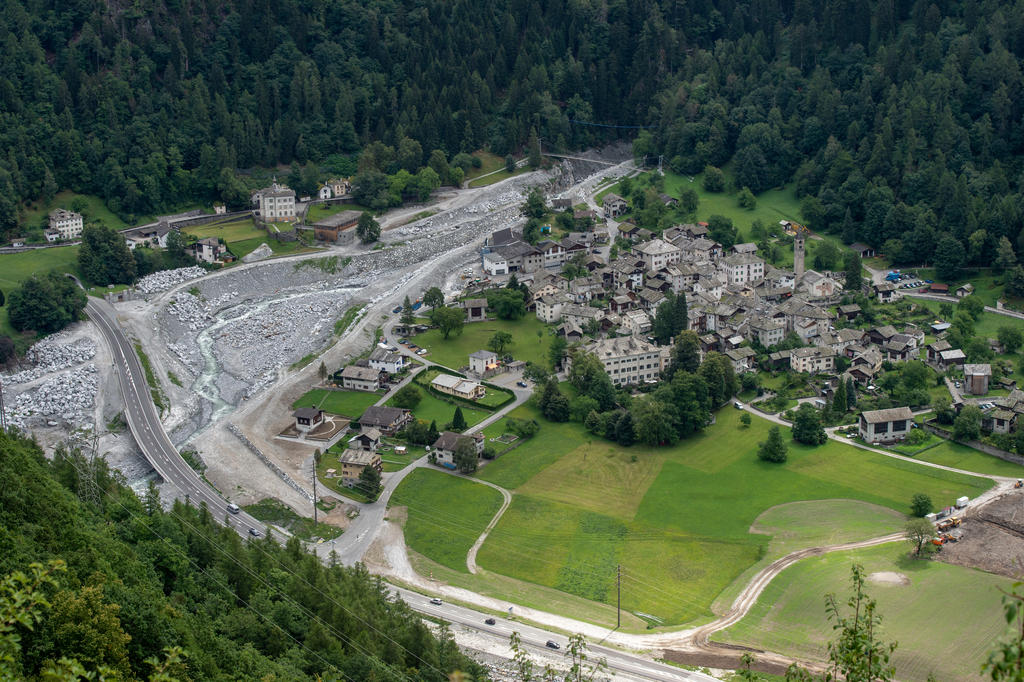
[
  {"x": 454, "y": 351},
  {"x": 962, "y": 457},
  {"x": 446, "y": 514},
  {"x": 431, "y": 408},
  {"x": 488, "y": 163},
  {"x": 942, "y": 604},
  {"x": 319, "y": 211},
  {"x": 276, "y": 512},
  {"x": 346, "y": 403},
  {"x": 95, "y": 209},
  {"x": 679, "y": 519},
  {"x": 233, "y": 231},
  {"x": 395, "y": 462},
  {"x": 243, "y": 248},
  {"x": 16, "y": 267},
  {"x": 987, "y": 326}
]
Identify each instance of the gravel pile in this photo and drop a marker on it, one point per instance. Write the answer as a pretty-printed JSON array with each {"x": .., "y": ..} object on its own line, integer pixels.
[
  {"x": 165, "y": 279},
  {"x": 196, "y": 312},
  {"x": 52, "y": 354},
  {"x": 68, "y": 396},
  {"x": 259, "y": 253}
]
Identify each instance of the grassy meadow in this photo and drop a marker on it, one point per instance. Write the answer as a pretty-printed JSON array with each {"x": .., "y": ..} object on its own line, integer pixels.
[
  {"x": 454, "y": 351},
  {"x": 938, "y": 604},
  {"x": 345, "y": 403}
]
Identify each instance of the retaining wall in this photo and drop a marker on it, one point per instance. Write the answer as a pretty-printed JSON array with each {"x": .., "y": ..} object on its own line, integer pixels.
[{"x": 266, "y": 460}]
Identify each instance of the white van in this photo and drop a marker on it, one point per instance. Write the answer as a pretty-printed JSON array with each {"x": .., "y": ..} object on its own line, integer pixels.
[{"x": 233, "y": 508}]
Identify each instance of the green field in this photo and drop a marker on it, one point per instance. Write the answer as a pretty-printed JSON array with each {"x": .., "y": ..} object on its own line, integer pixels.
[
  {"x": 431, "y": 408},
  {"x": 446, "y": 514},
  {"x": 942, "y": 605},
  {"x": 243, "y": 248},
  {"x": 346, "y": 403},
  {"x": 987, "y": 326},
  {"x": 772, "y": 206},
  {"x": 679, "y": 519},
  {"x": 95, "y": 210},
  {"x": 17, "y": 267},
  {"x": 959, "y": 456},
  {"x": 232, "y": 231},
  {"x": 320, "y": 211},
  {"x": 454, "y": 352}
]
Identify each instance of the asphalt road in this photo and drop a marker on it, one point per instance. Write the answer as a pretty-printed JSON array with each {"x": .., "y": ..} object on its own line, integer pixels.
[
  {"x": 144, "y": 422},
  {"x": 619, "y": 662}
]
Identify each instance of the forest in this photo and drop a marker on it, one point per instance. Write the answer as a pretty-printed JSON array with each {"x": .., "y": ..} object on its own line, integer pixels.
[{"x": 124, "y": 587}]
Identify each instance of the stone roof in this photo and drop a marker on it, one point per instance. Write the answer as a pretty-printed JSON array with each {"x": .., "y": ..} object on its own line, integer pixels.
[
  {"x": 362, "y": 373},
  {"x": 978, "y": 370},
  {"x": 358, "y": 457},
  {"x": 483, "y": 355},
  {"x": 892, "y": 414},
  {"x": 381, "y": 415},
  {"x": 306, "y": 413}
]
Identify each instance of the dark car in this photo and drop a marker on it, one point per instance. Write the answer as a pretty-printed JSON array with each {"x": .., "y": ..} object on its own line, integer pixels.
[
  {"x": 551, "y": 644},
  {"x": 255, "y": 533},
  {"x": 490, "y": 621},
  {"x": 521, "y": 384}
]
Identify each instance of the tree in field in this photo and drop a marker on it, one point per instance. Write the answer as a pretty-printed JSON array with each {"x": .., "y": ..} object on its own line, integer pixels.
[
  {"x": 46, "y": 303},
  {"x": 534, "y": 206},
  {"x": 714, "y": 179},
  {"x": 448, "y": 320},
  {"x": 458, "y": 420},
  {"x": 322, "y": 371},
  {"x": 369, "y": 481},
  {"x": 408, "y": 317},
  {"x": 807, "y": 427},
  {"x": 465, "y": 455},
  {"x": 499, "y": 342},
  {"x": 433, "y": 297},
  {"x": 625, "y": 429},
  {"x": 507, "y": 304},
  {"x": 852, "y": 269},
  {"x": 651, "y": 422},
  {"x": 920, "y": 532},
  {"x": 407, "y": 397},
  {"x": 746, "y": 199},
  {"x": 552, "y": 402},
  {"x": 557, "y": 350},
  {"x": 367, "y": 229},
  {"x": 1010, "y": 338},
  {"x": 745, "y": 420},
  {"x": 858, "y": 654},
  {"x": 921, "y": 505},
  {"x": 773, "y": 449},
  {"x": 967, "y": 425}
]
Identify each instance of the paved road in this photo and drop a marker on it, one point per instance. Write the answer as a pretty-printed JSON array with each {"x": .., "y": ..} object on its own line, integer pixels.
[
  {"x": 144, "y": 422},
  {"x": 619, "y": 663}
]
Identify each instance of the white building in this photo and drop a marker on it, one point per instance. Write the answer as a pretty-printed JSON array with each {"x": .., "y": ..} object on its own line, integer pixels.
[
  {"x": 324, "y": 192},
  {"x": 628, "y": 359},
  {"x": 812, "y": 360},
  {"x": 458, "y": 387},
  {"x": 658, "y": 254},
  {"x": 886, "y": 426},
  {"x": 384, "y": 360},
  {"x": 276, "y": 202},
  {"x": 67, "y": 223},
  {"x": 741, "y": 268}
]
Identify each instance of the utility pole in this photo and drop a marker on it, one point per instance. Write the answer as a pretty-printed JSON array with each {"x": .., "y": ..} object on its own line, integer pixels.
[
  {"x": 316, "y": 461},
  {"x": 3, "y": 415},
  {"x": 619, "y": 595}
]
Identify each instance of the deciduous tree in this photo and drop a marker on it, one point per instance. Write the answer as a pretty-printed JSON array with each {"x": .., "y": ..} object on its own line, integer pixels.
[{"x": 448, "y": 320}]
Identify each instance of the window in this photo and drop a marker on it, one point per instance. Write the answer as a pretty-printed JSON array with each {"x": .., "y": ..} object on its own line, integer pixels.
[
  {"x": 882, "y": 427},
  {"x": 900, "y": 425}
]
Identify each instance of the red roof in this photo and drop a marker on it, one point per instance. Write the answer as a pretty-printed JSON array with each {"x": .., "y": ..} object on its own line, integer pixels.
[{"x": 939, "y": 287}]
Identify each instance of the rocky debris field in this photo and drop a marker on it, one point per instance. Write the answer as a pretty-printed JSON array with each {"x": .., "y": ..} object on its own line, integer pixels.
[
  {"x": 53, "y": 353},
  {"x": 68, "y": 396},
  {"x": 261, "y": 252},
  {"x": 165, "y": 279}
]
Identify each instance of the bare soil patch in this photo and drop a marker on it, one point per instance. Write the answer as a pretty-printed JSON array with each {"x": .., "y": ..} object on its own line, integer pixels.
[
  {"x": 889, "y": 578},
  {"x": 727, "y": 658},
  {"x": 993, "y": 538}
]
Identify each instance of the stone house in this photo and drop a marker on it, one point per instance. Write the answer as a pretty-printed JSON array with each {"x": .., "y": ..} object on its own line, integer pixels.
[
  {"x": 360, "y": 378},
  {"x": 976, "y": 378},
  {"x": 388, "y": 420},
  {"x": 445, "y": 445},
  {"x": 886, "y": 426}
]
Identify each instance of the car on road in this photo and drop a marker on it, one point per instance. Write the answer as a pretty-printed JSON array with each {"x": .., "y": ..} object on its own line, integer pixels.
[
  {"x": 551, "y": 644},
  {"x": 255, "y": 533},
  {"x": 490, "y": 621},
  {"x": 233, "y": 508},
  {"x": 522, "y": 384},
  {"x": 436, "y": 602},
  {"x": 397, "y": 309}
]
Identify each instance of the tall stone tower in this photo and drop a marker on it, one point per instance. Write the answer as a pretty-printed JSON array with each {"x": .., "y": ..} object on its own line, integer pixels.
[{"x": 798, "y": 253}]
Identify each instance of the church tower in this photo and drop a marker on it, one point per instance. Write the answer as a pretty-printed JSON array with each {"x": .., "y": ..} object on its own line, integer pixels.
[{"x": 798, "y": 253}]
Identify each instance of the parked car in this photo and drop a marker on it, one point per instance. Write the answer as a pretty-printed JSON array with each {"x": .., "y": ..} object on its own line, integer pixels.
[
  {"x": 551, "y": 644},
  {"x": 421, "y": 351},
  {"x": 397, "y": 309},
  {"x": 490, "y": 621},
  {"x": 436, "y": 602},
  {"x": 403, "y": 341},
  {"x": 521, "y": 384}
]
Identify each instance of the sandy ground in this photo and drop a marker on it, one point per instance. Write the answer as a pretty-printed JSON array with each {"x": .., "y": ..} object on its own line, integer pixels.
[
  {"x": 993, "y": 538},
  {"x": 889, "y": 578}
]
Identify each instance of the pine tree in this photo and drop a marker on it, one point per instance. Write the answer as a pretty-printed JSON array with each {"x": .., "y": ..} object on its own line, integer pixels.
[
  {"x": 851, "y": 394},
  {"x": 408, "y": 316},
  {"x": 839, "y": 401},
  {"x": 458, "y": 421},
  {"x": 773, "y": 449},
  {"x": 432, "y": 433}
]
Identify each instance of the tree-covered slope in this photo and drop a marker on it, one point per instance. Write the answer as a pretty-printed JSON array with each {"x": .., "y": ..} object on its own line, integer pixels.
[{"x": 140, "y": 581}]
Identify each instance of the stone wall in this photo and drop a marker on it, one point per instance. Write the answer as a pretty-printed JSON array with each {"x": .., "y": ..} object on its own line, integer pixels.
[{"x": 266, "y": 460}]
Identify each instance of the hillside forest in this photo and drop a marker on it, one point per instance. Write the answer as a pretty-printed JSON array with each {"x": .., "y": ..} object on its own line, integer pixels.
[{"x": 900, "y": 121}]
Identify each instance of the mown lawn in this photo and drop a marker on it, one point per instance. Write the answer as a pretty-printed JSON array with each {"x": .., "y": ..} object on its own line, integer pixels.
[
  {"x": 234, "y": 231},
  {"x": 431, "y": 408},
  {"x": 17, "y": 267},
  {"x": 679, "y": 519},
  {"x": 454, "y": 351},
  {"x": 987, "y": 326},
  {"x": 243, "y": 248},
  {"x": 446, "y": 514},
  {"x": 319, "y": 211},
  {"x": 962, "y": 457},
  {"x": 942, "y": 604},
  {"x": 346, "y": 403}
]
